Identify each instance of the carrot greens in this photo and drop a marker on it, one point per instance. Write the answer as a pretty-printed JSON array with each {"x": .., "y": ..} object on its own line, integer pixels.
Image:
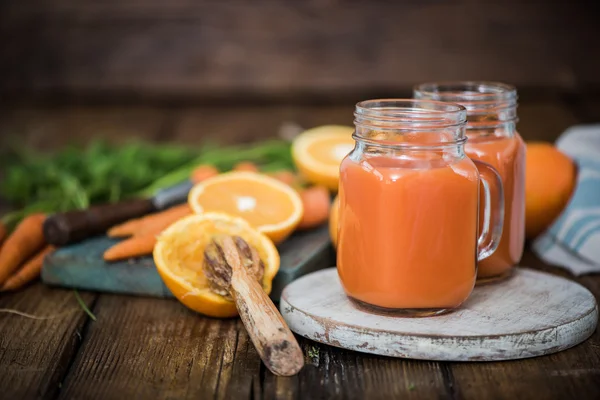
[{"x": 75, "y": 178}]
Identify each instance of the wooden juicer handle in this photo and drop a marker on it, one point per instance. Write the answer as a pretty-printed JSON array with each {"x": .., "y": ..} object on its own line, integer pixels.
[{"x": 272, "y": 338}]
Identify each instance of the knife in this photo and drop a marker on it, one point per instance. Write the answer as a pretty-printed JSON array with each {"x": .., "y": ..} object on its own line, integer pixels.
[{"x": 73, "y": 226}]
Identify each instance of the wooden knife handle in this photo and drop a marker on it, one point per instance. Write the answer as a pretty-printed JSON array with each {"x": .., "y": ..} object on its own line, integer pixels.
[
  {"x": 272, "y": 338},
  {"x": 73, "y": 226}
]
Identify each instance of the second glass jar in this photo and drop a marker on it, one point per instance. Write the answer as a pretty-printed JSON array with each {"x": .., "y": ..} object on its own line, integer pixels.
[{"x": 492, "y": 138}]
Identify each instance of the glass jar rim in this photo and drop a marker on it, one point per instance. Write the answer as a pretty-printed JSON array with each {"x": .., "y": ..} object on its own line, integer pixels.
[
  {"x": 467, "y": 91},
  {"x": 408, "y": 114},
  {"x": 458, "y": 142}
]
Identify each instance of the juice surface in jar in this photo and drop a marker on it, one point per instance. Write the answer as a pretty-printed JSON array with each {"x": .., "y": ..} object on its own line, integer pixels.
[
  {"x": 408, "y": 231},
  {"x": 507, "y": 155},
  {"x": 492, "y": 138}
]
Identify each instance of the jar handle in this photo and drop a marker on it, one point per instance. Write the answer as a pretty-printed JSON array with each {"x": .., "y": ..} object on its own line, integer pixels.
[{"x": 493, "y": 213}]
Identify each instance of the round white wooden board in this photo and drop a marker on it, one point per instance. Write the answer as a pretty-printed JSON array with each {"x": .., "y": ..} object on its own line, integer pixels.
[{"x": 531, "y": 314}]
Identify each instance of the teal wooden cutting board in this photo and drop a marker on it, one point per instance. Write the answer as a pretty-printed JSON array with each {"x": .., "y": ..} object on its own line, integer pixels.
[{"x": 81, "y": 266}]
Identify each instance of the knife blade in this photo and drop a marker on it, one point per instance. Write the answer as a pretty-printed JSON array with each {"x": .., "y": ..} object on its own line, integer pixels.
[{"x": 73, "y": 226}]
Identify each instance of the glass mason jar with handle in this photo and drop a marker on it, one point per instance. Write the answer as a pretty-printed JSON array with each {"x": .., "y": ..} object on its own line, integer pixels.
[
  {"x": 491, "y": 130},
  {"x": 409, "y": 208}
]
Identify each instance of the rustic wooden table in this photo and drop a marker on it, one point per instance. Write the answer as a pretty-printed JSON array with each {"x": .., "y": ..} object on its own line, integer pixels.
[{"x": 150, "y": 348}]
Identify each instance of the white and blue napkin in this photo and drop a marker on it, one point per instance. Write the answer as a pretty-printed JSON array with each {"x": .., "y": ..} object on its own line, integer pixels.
[{"x": 573, "y": 240}]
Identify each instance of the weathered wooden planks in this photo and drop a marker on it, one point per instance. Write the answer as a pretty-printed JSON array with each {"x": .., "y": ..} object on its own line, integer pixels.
[
  {"x": 50, "y": 128},
  {"x": 156, "y": 358},
  {"x": 288, "y": 50},
  {"x": 148, "y": 348},
  {"x": 56, "y": 127},
  {"x": 141, "y": 346},
  {"x": 35, "y": 354},
  {"x": 332, "y": 373}
]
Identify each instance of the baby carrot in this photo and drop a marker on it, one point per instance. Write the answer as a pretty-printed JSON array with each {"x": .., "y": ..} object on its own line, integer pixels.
[
  {"x": 144, "y": 238},
  {"x": 30, "y": 271},
  {"x": 245, "y": 166},
  {"x": 286, "y": 176},
  {"x": 132, "y": 226},
  {"x": 25, "y": 241},
  {"x": 133, "y": 247},
  {"x": 158, "y": 224},
  {"x": 203, "y": 172},
  {"x": 316, "y": 207}
]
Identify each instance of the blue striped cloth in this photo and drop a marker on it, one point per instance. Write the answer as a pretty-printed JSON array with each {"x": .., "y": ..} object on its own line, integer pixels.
[{"x": 573, "y": 240}]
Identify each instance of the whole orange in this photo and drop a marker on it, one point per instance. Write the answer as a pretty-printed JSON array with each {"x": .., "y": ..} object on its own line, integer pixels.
[
  {"x": 549, "y": 182},
  {"x": 333, "y": 220}
]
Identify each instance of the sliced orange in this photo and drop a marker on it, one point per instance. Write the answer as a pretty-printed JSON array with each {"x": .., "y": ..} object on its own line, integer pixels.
[
  {"x": 179, "y": 255},
  {"x": 270, "y": 206},
  {"x": 318, "y": 153}
]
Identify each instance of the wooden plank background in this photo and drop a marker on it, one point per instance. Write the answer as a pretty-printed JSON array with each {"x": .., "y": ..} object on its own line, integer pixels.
[
  {"x": 141, "y": 347},
  {"x": 288, "y": 50},
  {"x": 237, "y": 71}
]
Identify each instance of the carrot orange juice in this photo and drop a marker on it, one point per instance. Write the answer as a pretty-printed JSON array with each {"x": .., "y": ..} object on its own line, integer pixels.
[
  {"x": 507, "y": 155},
  {"x": 409, "y": 208},
  {"x": 491, "y": 129},
  {"x": 407, "y": 235}
]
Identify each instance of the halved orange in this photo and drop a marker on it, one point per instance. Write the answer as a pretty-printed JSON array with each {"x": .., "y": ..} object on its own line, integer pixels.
[
  {"x": 179, "y": 255},
  {"x": 270, "y": 206},
  {"x": 318, "y": 153}
]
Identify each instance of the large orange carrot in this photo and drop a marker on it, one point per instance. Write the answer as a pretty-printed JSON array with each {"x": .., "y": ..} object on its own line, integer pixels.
[
  {"x": 23, "y": 243},
  {"x": 203, "y": 172},
  {"x": 136, "y": 246},
  {"x": 246, "y": 166},
  {"x": 30, "y": 271},
  {"x": 316, "y": 207},
  {"x": 133, "y": 226}
]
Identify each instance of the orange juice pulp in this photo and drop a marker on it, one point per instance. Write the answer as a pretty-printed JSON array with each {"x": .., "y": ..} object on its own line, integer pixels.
[
  {"x": 507, "y": 155},
  {"x": 407, "y": 234}
]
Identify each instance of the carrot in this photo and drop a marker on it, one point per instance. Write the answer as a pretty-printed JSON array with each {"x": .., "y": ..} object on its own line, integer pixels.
[
  {"x": 144, "y": 238},
  {"x": 30, "y": 271},
  {"x": 245, "y": 166},
  {"x": 133, "y": 247},
  {"x": 24, "y": 242},
  {"x": 157, "y": 225},
  {"x": 286, "y": 176},
  {"x": 132, "y": 226},
  {"x": 316, "y": 204},
  {"x": 203, "y": 172}
]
